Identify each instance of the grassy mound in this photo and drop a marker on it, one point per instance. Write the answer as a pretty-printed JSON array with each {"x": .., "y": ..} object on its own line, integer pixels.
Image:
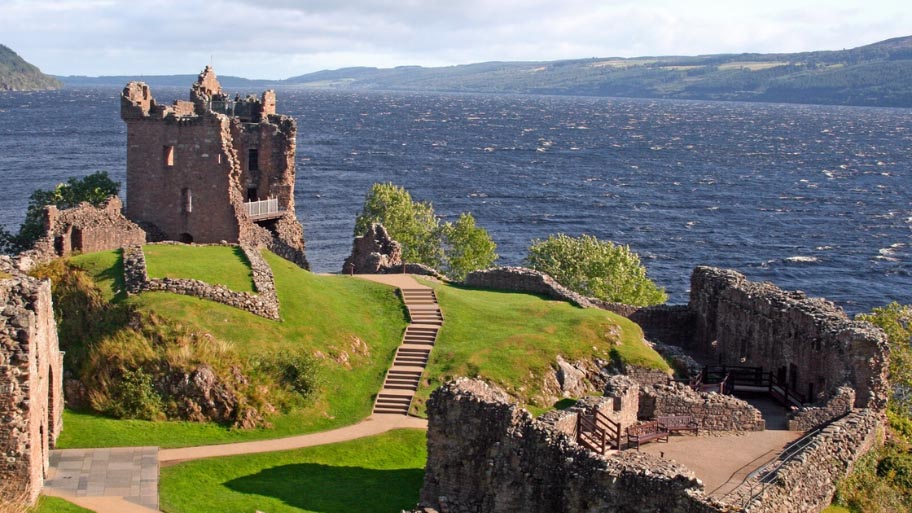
[
  {"x": 514, "y": 339},
  {"x": 352, "y": 326},
  {"x": 216, "y": 265},
  {"x": 370, "y": 475},
  {"x": 48, "y": 504}
]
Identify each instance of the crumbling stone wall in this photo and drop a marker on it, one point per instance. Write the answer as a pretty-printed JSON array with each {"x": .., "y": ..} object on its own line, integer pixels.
[
  {"x": 191, "y": 172},
  {"x": 373, "y": 252},
  {"x": 486, "y": 455},
  {"x": 31, "y": 386},
  {"x": 521, "y": 279},
  {"x": 85, "y": 229},
  {"x": 714, "y": 412},
  {"x": 810, "y": 343},
  {"x": 809, "y": 417},
  {"x": 265, "y": 303},
  {"x": 807, "y": 482}
]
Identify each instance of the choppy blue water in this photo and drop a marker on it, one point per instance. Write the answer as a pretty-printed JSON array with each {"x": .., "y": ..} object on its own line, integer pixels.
[{"x": 810, "y": 197}]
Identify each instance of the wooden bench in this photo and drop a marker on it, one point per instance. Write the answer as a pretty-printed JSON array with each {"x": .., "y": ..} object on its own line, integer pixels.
[
  {"x": 645, "y": 432},
  {"x": 675, "y": 423}
]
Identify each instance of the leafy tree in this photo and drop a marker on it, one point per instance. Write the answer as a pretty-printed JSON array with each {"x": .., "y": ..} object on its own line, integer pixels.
[
  {"x": 94, "y": 188},
  {"x": 456, "y": 248},
  {"x": 467, "y": 247},
  {"x": 411, "y": 223},
  {"x": 596, "y": 268},
  {"x": 896, "y": 321}
]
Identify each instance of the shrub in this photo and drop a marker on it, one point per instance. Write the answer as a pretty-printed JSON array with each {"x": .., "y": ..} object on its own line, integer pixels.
[
  {"x": 300, "y": 372},
  {"x": 595, "y": 268},
  {"x": 133, "y": 396}
]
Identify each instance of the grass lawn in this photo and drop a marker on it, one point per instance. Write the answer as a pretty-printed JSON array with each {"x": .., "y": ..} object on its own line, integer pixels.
[
  {"x": 355, "y": 324},
  {"x": 370, "y": 475},
  {"x": 514, "y": 339},
  {"x": 216, "y": 265},
  {"x": 56, "y": 505},
  {"x": 836, "y": 509}
]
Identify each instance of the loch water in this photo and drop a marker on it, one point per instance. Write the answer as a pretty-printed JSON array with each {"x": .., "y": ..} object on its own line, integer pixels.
[{"x": 816, "y": 198}]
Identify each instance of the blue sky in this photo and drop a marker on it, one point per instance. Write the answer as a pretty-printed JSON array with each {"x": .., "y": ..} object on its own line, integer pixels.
[{"x": 279, "y": 39}]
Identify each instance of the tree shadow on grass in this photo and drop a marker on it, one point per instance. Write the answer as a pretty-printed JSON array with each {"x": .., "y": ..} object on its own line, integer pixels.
[{"x": 330, "y": 489}]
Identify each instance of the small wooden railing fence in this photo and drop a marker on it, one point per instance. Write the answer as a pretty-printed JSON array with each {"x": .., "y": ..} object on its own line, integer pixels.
[
  {"x": 728, "y": 379},
  {"x": 597, "y": 432}
]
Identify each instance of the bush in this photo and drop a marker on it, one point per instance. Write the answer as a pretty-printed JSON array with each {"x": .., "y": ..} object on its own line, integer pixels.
[
  {"x": 595, "y": 268},
  {"x": 94, "y": 188},
  {"x": 134, "y": 397},
  {"x": 455, "y": 248},
  {"x": 300, "y": 372}
]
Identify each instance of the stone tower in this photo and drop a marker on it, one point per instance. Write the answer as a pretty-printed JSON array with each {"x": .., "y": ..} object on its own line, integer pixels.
[{"x": 212, "y": 168}]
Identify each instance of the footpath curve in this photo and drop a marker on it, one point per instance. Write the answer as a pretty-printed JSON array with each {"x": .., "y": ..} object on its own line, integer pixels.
[{"x": 91, "y": 478}]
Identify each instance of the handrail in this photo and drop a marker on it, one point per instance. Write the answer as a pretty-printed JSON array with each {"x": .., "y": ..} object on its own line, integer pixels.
[
  {"x": 610, "y": 426},
  {"x": 598, "y": 430},
  {"x": 262, "y": 207}
]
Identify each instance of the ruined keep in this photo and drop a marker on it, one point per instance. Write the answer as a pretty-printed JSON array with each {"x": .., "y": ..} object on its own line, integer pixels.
[
  {"x": 31, "y": 382},
  {"x": 212, "y": 169}
]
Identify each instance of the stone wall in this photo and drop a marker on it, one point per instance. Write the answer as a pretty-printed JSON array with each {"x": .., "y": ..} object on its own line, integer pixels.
[
  {"x": 373, "y": 252},
  {"x": 486, "y": 455},
  {"x": 85, "y": 229},
  {"x": 265, "y": 303},
  {"x": 714, "y": 412},
  {"x": 31, "y": 386},
  {"x": 810, "y": 343},
  {"x": 521, "y": 279},
  {"x": 807, "y": 482},
  {"x": 809, "y": 417}
]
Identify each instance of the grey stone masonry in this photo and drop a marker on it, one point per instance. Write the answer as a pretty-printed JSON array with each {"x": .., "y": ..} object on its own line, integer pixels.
[
  {"x": 128, "y": 472},
  {"x": 714, "y": 412},
  {"x": 265, "y": 303}
]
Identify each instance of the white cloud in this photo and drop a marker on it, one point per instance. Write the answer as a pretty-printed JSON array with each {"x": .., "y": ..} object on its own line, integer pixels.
[{"x": 282, "y": 38}]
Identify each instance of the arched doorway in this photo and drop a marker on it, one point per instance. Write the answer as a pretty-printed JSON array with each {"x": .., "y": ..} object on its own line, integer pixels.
[{"x": 186, "y": 238}]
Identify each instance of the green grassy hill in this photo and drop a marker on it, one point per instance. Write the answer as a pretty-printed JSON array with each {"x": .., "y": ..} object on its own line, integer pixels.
[
  {"x": 18, "y": 75},
  {"x": 353, "y": 327}
]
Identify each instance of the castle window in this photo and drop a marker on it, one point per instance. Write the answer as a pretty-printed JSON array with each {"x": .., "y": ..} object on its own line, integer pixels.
[
  {"x": 186, "y": 201},
  {"x": 253, "y": 159},
  {"x": 168, "y": 156}
]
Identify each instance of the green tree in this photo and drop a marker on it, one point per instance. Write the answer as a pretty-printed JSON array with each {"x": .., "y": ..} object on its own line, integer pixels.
[
  {"x": 896, "y": 321},
  {"x": 94, "y": 188},
  {"x": 467, "y": 247},
  {"x": 411, "y": 223},
  {"x": 595, "y": 268}
]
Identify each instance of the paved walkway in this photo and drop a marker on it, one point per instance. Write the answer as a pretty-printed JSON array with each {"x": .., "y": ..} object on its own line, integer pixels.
[
  {"x": 373, "y": 425},
  {"x": 123, "y": 475}
]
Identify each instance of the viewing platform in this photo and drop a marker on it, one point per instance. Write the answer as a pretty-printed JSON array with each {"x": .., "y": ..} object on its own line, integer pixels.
[{"x": 264, "y": 209}]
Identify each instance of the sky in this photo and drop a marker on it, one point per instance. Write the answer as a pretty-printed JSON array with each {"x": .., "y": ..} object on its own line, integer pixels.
[{"x": 279, "y": 39}]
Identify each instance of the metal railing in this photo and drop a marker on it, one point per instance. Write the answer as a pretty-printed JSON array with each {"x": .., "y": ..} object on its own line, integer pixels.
[{"x": 262, "y": 208}]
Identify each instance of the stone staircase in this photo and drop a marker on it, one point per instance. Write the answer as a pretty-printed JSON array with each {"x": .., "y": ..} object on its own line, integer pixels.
[{"x": 412, "y": 355}]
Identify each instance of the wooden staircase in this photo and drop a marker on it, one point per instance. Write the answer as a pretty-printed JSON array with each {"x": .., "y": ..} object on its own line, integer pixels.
[{"x": 412, "y": 355}]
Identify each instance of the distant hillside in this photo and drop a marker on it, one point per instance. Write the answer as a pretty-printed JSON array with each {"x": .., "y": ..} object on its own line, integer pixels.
[
  {"x": 875, "y": 75},
  {"x": 871, "y": 75},
  {"x": 18, "y": 75},
  {"x": 182, "y": 81}
]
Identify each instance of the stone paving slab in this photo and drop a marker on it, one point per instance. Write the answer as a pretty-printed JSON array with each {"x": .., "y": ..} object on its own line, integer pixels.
[{"x": 127, "y": 472}]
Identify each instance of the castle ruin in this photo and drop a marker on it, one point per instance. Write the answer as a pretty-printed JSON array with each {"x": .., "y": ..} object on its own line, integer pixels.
[
  {"x": 31, "y": 382},
  {"x": 212, "y": 169}
]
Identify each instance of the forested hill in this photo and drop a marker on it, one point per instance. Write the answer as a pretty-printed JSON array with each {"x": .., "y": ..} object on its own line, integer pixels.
[
  {"x": 18, "y": 75},
  {"x": 874, "y": 75}
]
